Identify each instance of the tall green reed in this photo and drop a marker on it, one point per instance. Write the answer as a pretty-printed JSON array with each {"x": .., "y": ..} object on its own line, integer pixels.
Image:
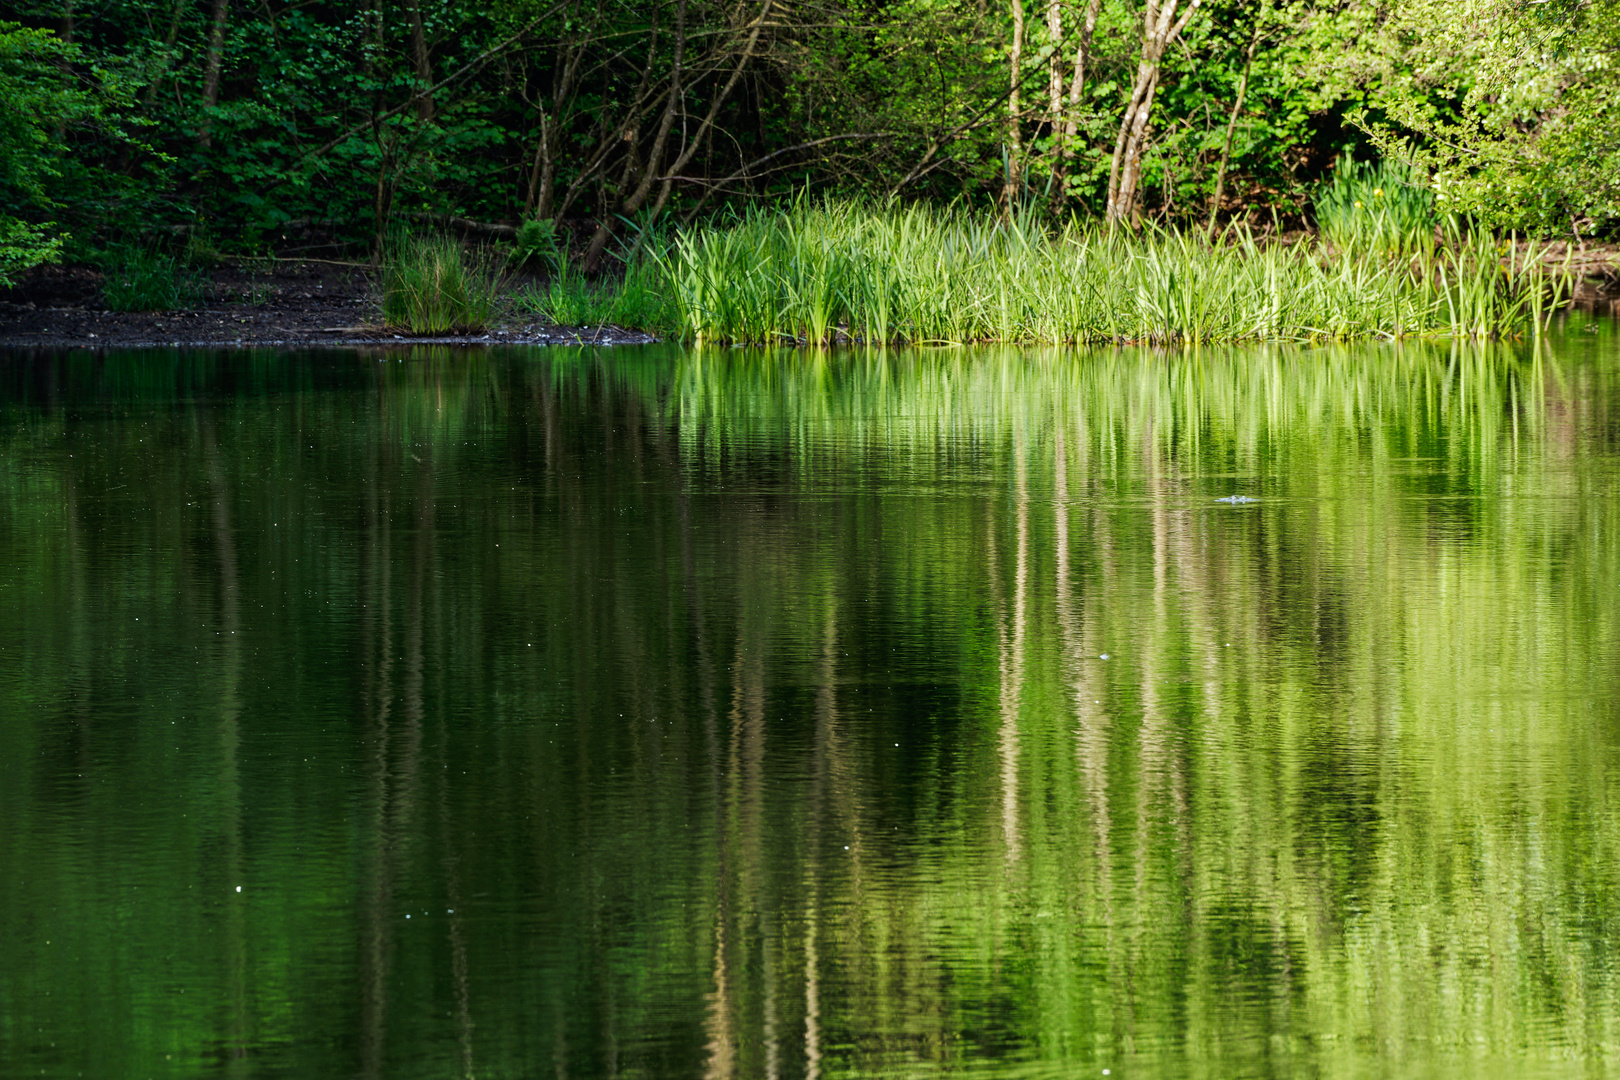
[{"x": 823, "y": 273}]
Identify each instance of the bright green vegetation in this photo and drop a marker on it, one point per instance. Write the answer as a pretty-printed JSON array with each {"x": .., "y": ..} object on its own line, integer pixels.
[
  {"x": 436, "y": 286},
  {"x": 723, "y": 711},
  {"x": 642, "y": 298},
  {"x": 1378, "y": 209},
  {"x": 323, "y": 130},
  {"x": 819, "y": 274}
]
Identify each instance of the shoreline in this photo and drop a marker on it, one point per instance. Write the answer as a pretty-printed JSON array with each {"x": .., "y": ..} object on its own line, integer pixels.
[
  {"x": 247, "y": 305},
  {"x": 311, "y": 304}
]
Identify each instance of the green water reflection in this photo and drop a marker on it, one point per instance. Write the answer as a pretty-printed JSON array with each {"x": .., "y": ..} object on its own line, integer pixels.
[{"x": 649, "y": 714}]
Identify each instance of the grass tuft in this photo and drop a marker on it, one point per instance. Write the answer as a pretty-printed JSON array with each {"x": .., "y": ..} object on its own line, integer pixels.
[
  {"x": 433, "y": 286},
  {"x": 145, "y": 280}
]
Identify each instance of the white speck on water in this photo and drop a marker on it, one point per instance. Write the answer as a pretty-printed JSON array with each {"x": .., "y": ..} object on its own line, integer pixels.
[
  {"x": 407, "y": 916},
  {"x": 239, "y": 888}
]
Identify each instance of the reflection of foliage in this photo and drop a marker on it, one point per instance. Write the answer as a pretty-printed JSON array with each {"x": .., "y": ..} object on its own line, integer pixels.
[{"x": 752, "y": 702}]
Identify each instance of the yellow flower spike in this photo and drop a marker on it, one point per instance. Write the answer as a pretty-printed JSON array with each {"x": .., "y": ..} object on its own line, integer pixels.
[
  {"x": 1358, "y": 202},
  {"x": 1378, "y": 191}
]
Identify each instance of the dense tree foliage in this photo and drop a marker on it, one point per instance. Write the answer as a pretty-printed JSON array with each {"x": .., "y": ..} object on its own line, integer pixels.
[{"x": 306, "y": 124}]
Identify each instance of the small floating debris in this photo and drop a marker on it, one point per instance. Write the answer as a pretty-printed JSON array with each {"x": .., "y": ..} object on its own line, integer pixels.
[{"x": 1237, "y": 499}]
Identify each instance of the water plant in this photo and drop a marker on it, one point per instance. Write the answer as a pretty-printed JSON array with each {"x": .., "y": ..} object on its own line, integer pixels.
[
  {"x": 433, "y": 286},
  {"x": 1376, "y": 208},
  {"x": 821, "y": 273}
]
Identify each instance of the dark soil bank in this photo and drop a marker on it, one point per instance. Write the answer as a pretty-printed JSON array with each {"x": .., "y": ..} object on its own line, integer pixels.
[{"x": 281, "y": 303}]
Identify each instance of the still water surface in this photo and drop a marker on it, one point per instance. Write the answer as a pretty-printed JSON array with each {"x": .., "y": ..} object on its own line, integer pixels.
[{"x": 648, "y": 713}]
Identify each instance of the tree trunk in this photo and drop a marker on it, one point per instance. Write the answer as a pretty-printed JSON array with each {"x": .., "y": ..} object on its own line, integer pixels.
[
  {"x": 638, "y": 198},
  {"x": 1015, "y": 140},
  {"x": 421, "y": 61},
  {"x": 707, "y": 126},
  {"x": 1054, "y": 67},
  {"x": 543, "y": 176},
  {"x": 604, "y": 228},
  {"x": 1160, "y": 27},
  {"x": 1231, "y": 127},
  {"x": 1071, "y": 115},
  {"x": 213, "y": 60}
]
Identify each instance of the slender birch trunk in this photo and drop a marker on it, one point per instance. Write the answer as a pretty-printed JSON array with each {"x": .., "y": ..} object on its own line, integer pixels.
[
  {"x": 1070, "y": 119},
  {"x": 1015, "y": 135},
  {"x": 1160, "y": 28}
]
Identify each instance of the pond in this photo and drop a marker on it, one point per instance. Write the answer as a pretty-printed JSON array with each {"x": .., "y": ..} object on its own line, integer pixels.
[{"x": 656, "y": 713}]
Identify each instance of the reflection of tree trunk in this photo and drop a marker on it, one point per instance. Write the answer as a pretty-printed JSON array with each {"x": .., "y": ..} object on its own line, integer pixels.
[
  {"x": 826, "y": 717},
  {"x": 450, "y": 844},
  {"x": 230, "y": 707},
  {"x": 377, "y": 625},
  {"x": 1012, "y": 660},
  {"x": 81, "y": 666}
]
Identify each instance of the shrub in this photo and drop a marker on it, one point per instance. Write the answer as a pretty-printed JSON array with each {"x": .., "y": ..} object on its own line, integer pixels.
[{"x": 536, "y": 247}]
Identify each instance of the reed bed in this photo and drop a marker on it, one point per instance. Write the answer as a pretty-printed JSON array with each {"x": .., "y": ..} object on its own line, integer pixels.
[{"x": 820, "y": 274}]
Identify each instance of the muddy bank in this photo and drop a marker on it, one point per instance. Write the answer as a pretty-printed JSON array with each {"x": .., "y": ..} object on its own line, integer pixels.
[{"x": 281, "y": 303}]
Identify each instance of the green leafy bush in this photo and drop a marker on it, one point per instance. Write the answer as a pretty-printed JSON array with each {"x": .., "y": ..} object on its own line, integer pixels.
[
  {"x": 1380, "y": 208},
  {"x": 536, "y": 246},
  {"x": 433, "y": 286},
  {"x": 145, "y": 280}
]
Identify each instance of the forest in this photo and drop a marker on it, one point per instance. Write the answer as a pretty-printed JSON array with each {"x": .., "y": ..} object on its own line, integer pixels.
[{"x": 314, "y": 128}]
